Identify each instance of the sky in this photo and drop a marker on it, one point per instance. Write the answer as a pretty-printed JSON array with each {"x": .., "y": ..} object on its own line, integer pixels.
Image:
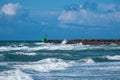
[{"x": 59, "y": 19}]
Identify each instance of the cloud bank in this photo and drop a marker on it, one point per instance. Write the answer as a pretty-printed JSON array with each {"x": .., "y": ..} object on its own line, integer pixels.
[{"x": 91, "y": 14}]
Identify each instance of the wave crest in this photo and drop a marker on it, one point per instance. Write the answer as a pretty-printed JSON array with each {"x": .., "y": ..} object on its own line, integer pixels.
[
  {"x": 14, "y": 75},
  {"x": 116, "y": 57},
  {"x": 88, "y": 61},
  {"x": 28, "y": 54},
  {"x": 62, "y": 46},
  {"x": 46, "y": 65},
  {"x": 9, "y": 48}
]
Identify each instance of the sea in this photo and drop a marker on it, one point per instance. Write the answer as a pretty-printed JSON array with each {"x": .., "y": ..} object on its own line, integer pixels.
[{"x": 34, "y": 60}]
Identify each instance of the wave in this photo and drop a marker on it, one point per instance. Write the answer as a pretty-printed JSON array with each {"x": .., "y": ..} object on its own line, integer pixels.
[
  {"x": 23, "y": 53},
  {"x": 14, "y": 75},
  {"x": 39, "y": 43},
  {"x": 113, "y": 44},
  {"x": 100, "y": 59},
  {"x": 49, "y": 46},
  {"x": 53, "y": 47},
  {"x": 10, "y": 48},
  {"x": 116, "y": 57},
  {"x": 87, "y": 61},
  {"x": 62, "y": 46},
  {"x": 79, "y": 46},
  {"x": 45, "y": 65}
]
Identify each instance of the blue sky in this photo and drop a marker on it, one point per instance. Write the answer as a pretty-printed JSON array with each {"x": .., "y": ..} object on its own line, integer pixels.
[{"x": 59, "y": 19}]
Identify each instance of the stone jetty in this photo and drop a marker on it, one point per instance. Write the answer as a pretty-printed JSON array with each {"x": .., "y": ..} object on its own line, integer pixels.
[{"x": 88, "y": 41}]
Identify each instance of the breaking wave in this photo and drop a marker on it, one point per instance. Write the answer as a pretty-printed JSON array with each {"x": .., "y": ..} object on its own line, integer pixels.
[
  {"x": 87, "y": 61},
  {"x": 45, "y": 65},
  {"x": 62, "y": 46},
  {"x": 39, "y": 43},
  {"x": 28, "y": 54},
  {"x": 14, "y": 75},
  {"x": 79, "y": 46},
  {"x": 10, "y": 48},
  {"x": 64, "y": 42},
  {"x": 100, "y": 59},
  {"x": 116, "y": 57}
]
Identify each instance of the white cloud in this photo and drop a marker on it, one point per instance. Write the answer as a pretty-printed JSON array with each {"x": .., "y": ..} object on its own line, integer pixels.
[
  {"x": 109, "y": 16},
  {"x": 14, "y": 14},
  {"x": 67, "y": 16},
  {"x": 10, "y": 9}
]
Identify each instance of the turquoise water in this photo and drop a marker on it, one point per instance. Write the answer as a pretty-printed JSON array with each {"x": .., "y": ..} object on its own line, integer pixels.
[{"x": 48, "y": 61}]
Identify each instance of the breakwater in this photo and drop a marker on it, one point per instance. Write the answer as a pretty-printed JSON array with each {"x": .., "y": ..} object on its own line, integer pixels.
[{"x": 86, "y": 41}]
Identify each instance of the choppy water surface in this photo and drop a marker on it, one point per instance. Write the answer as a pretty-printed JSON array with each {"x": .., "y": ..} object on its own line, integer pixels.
[{"x": 48, "y": 61}]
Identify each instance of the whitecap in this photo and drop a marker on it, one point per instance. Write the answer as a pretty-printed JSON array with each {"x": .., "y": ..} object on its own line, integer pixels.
[
  {"x": 28, "y": 54},
  {"x": 39, "y": 43},
  {"x": 88, "y": 61},
  {"x": 21, "y": 45},
  {"x": 9, "y": 48},
  {"x": 116, "y": 57},
  {"x": 14, "y": 75},
  {"x": 78, "y": 46},
  {"x": 113, "y": 44},
  {"x": 45, "y": 65},
  {"x": 52, "y": 47},
  {"x": 62, "y": 46},
  {"x": 64, "y": 41}
]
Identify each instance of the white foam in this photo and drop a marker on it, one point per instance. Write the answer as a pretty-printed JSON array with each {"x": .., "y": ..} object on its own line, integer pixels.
[
  {"x": 39, "y": 43},
  {"x": 28, "y": 54},
  {"x": 49, "y": 46},
  {"x": 113, "y": 44},
  {"x": 14, "y": 75},
  {"x": 9, "y": 48},
  {"x": 116, "y": 57},
  {"x": 21, "y": 45},
  {"x": 62, "y": 46},
  {"x": 46, "y": 65},
  {"x": 52, "y": 47},
  {"x": 64, "y": 41},
  {"x": 88, "y": 61},
  {"x": 79, "y": 46}
]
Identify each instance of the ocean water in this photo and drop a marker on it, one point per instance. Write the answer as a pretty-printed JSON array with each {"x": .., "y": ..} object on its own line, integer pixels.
[{"x": 49, "y": 61}]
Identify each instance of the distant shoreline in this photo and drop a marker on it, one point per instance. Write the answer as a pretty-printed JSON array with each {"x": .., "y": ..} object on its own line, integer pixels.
[{"x": 73, "y": 41}]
